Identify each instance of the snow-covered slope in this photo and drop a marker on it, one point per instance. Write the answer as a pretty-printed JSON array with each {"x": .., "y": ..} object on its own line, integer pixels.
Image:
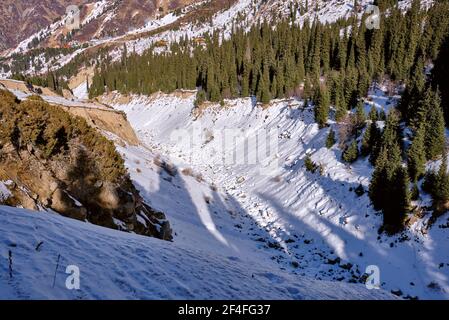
[
  {"x": 117, "y": 265},
  {"x": 188, "y": 21},
  {"x": 245, "y": 13},
  {"x": 219, "y": 251},
  {"x": 310, "y": 224},
  {"x": 299, "y": 224}
]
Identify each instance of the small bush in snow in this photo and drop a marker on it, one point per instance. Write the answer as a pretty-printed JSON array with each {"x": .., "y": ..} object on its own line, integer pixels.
[
  {"x": 310, "y": 165},
  {"x": 187, "y": 172}
]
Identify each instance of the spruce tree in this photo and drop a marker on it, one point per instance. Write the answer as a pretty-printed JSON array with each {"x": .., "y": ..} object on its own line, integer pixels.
[
  {"x": 440, "y": 76},
  {"x": 309, "y": 164},
  {"x": 246, "y": 74},
  {"x": 373, "y": 115},
  {"x": 440, "y": 190},
  {"x": 389, "y": 189},
  {"x": 417, "y": 155},
  {"x": 265, "y": 94},
  {"x": 330, "y": 141},
  {"x": 322, "y": 107},
  {"x": 379, "y": 181},
  {"x": 398, "y": 201},
  {"x": 435, "y": 139},
  {"x": 390, "y": 139},
  {"x": 410, "y": 98},
  {"x": 375, "y": 142},
  {"x": 360, "y": 115},
  {"x": 351, "y": 153},
  {"x": 340, "y": 104},
  {"x": 370, "y": 139}
]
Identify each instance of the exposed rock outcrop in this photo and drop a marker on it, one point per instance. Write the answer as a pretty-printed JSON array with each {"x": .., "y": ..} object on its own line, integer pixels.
[
  {"x": 97, "y": 115},
  {"x": 55, "y": 161}
]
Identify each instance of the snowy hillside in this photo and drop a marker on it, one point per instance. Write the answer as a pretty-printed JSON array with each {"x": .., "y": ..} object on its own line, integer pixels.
[
  {"x": 230, "y": 254},
  {"x": 245, "y": 13},
  {"x": 116, "y": 265},
  {"x": 176, "y": 25},
  {"x": 309, "y": 224},
  {"x": 259, "y": 201}
]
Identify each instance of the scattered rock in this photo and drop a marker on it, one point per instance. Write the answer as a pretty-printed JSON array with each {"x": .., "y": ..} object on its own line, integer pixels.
[
  {"x": 346, "y": 266},
  {"x": 434, "y": 286},
  {"x": 360, "y": 190},
  {"x": 240, "y": 180},
  {"x": 397, "y": 292},
  {"x": 39, "y": 245},
  {"x": 334, "y": 261},
  {"x": 274, "y": 245}
]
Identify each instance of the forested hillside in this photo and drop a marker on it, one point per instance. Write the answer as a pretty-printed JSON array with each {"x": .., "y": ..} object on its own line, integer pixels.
[
  {"x": 277, "y": 59},
  {"x": 330, "y": 65}
]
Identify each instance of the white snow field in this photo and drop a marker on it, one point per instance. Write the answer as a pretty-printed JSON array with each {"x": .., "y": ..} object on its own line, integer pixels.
[
  {"x": 240, "y": 231},
  {"x": 308, "y": 224},
  {"x": 118, "y": 265}
]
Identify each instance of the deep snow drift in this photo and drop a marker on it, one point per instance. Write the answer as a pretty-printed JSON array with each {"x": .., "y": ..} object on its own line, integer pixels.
[
  {"x": 309, "y": 224},
  {"x": 241, "y": 231},
  {"x": 117, "y": 265}
]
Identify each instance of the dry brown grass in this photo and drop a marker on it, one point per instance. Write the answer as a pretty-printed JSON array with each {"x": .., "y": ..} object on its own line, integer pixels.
[
  {"x": 199, "y": 177},
  {"x": 187, "y": 172}
]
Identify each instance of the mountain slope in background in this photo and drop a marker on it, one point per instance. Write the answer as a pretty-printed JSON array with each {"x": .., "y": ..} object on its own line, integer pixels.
[
  {"x": 141, "y": 24},
  {"x": 22, "y": 18},
  {"x": 98, "y": 18}
]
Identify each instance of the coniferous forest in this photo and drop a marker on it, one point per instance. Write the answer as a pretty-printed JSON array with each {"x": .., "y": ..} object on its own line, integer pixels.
[{"x": 327, "y": 65}]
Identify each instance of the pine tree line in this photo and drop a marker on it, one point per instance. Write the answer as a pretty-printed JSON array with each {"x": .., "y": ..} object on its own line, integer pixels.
[
  {"x": 330, "y": 64},
  {"x": 327, "y": 63}
]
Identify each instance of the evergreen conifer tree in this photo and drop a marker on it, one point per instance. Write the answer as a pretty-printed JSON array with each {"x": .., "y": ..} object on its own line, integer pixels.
[
  {"x": 330, "y": 141},
  {"x": 435, "y": 139},
  {"x": 322, "y": 107},
  {"x": 351, "y": 153},
  {"x": 417, "y": 155}
]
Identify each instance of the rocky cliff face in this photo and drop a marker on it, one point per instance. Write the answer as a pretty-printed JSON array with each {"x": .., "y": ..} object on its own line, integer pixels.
[{"x": 54, "y": 161}]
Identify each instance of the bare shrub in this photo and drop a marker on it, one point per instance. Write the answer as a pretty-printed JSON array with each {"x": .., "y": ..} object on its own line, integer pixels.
[
  {"x": 187, "y": 172},
  {"x": 158, "y": 162},
  {"x": 199, "y": 177},
  {"x": 170, "y": 169},
  {"x": 347, "y": 130}
]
